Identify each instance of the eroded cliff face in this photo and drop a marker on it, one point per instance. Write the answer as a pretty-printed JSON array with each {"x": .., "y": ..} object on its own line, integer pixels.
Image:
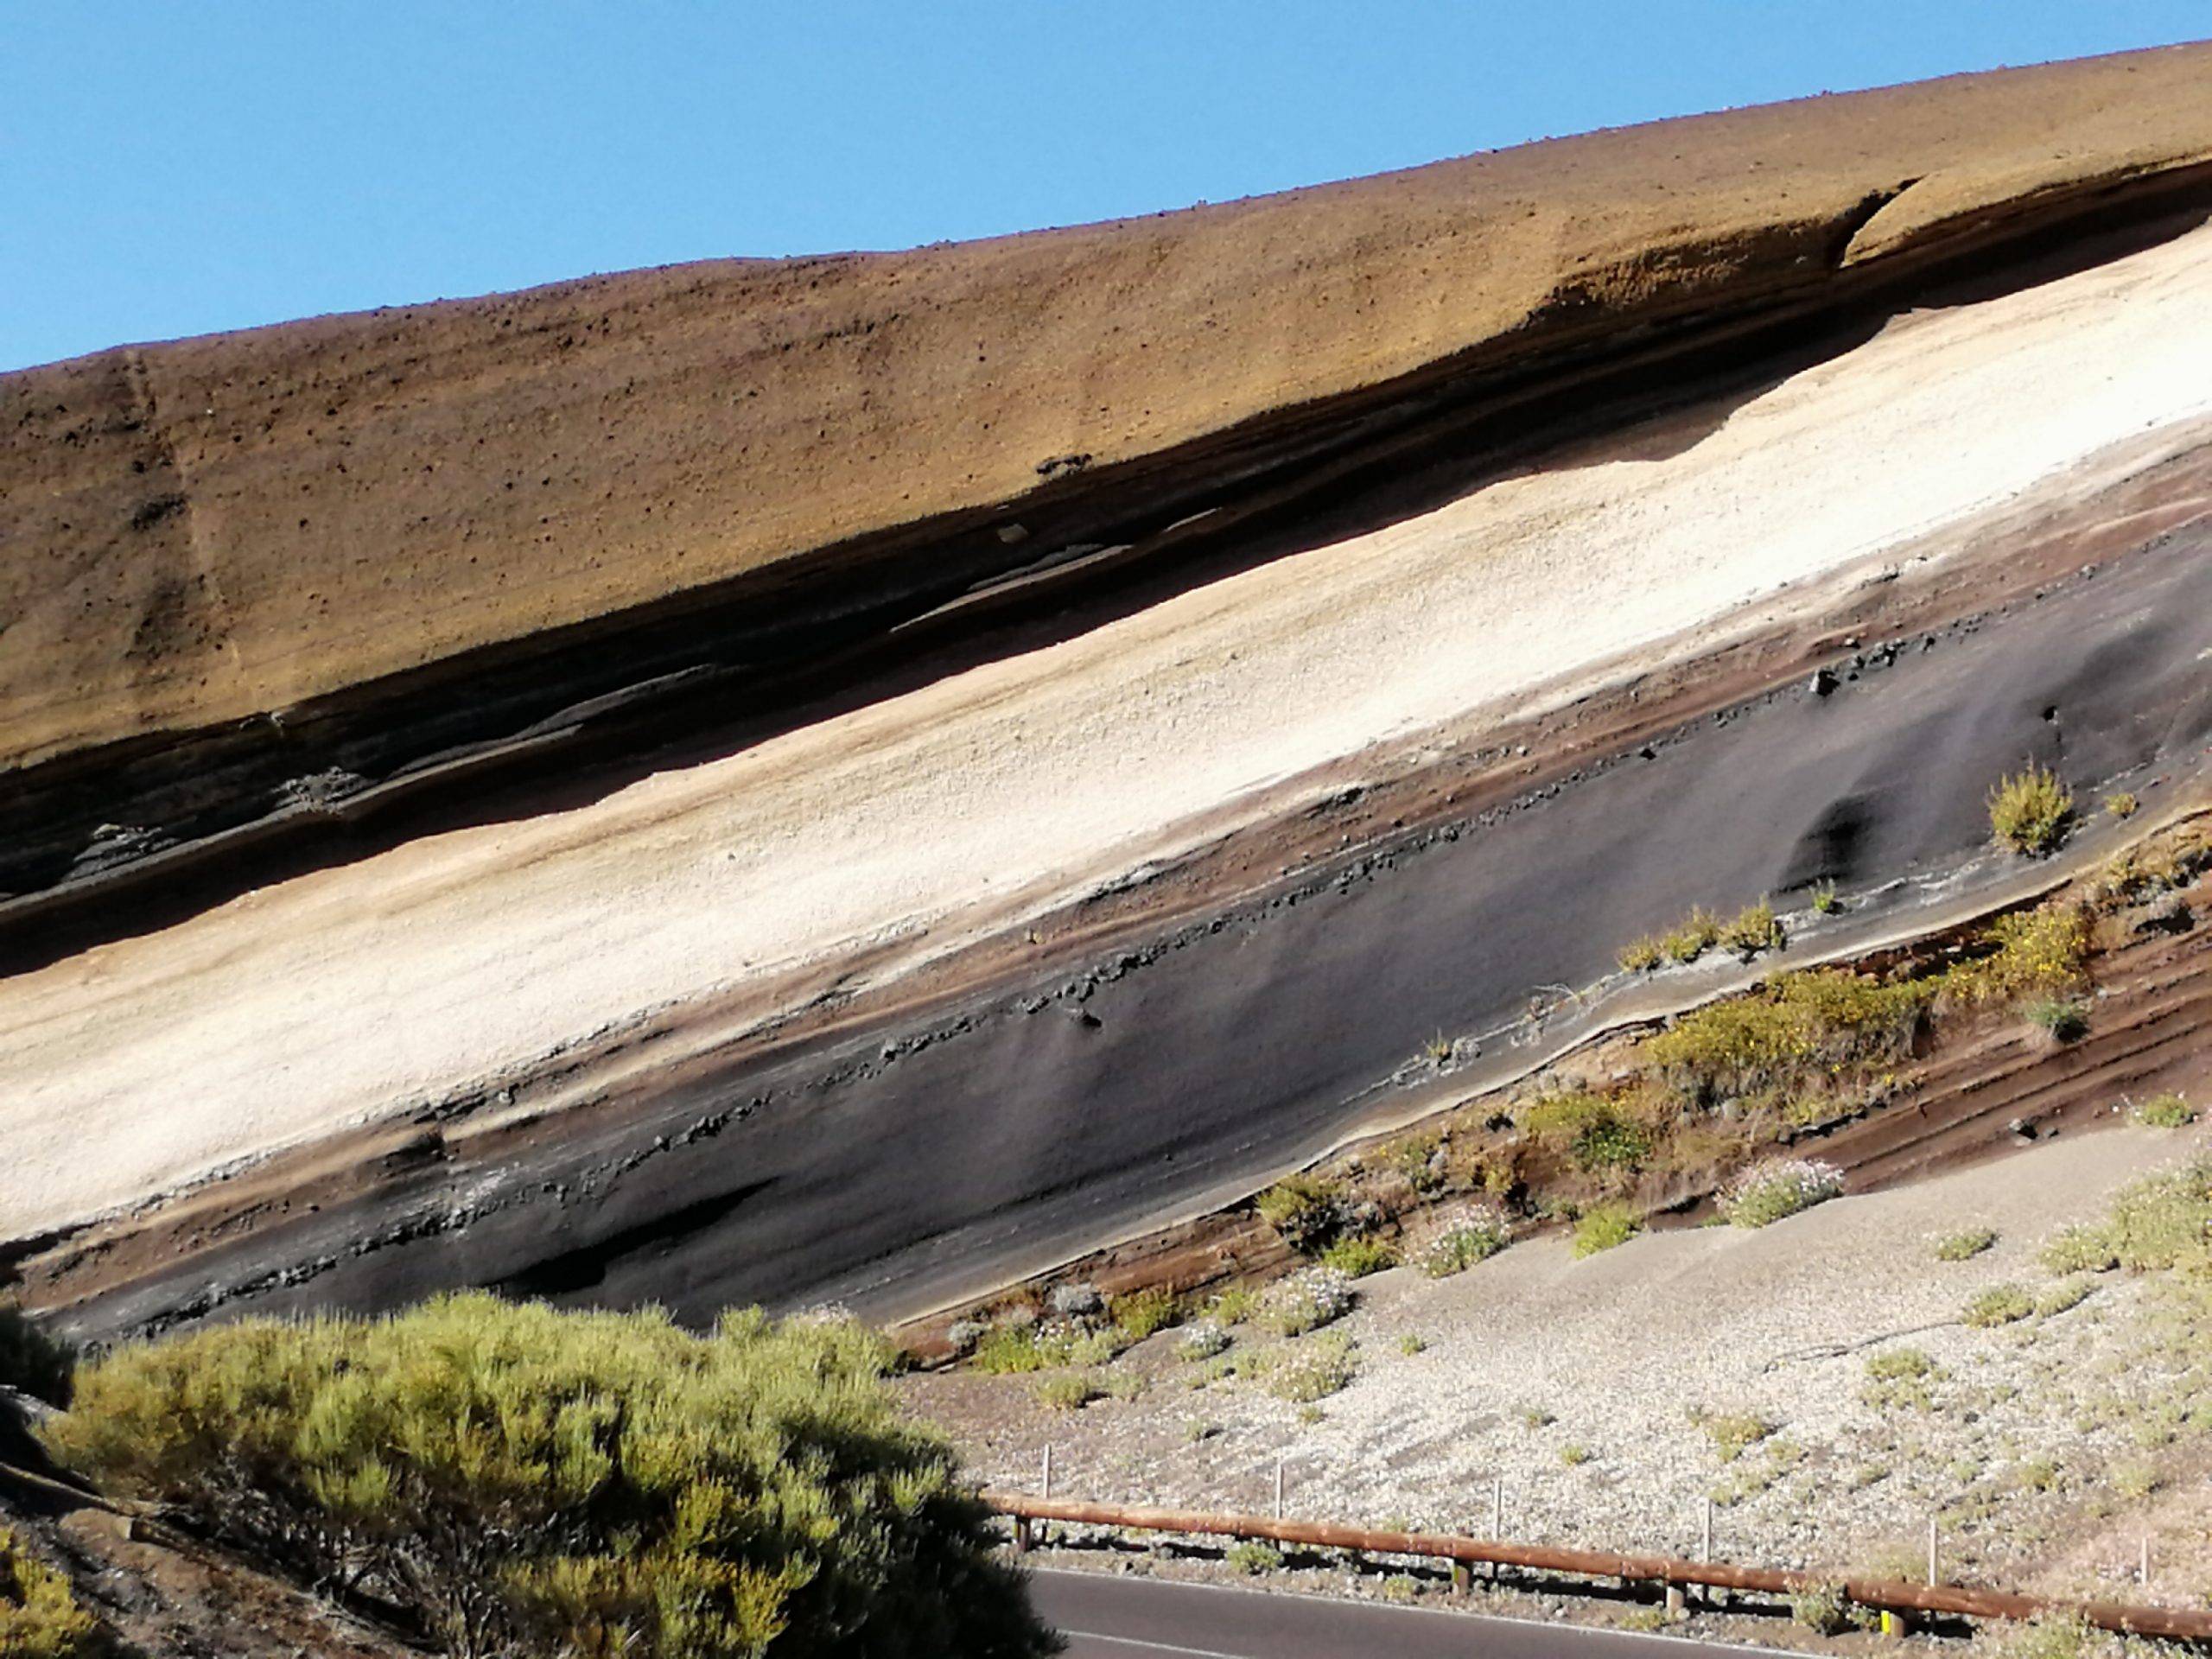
[
  {"x": 793, "y": 769},
  {"x": 255, "y": 572}
]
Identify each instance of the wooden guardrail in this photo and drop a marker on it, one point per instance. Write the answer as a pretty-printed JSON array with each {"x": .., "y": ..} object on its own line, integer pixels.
[{"x": 1885, "y": 1594}]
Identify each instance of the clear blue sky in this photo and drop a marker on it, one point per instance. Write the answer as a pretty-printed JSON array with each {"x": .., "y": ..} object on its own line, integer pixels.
[{"x": 170, "y": 169}]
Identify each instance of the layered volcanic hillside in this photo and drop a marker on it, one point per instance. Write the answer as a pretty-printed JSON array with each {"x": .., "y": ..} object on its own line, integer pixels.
[{"x": 874, "y": 777}]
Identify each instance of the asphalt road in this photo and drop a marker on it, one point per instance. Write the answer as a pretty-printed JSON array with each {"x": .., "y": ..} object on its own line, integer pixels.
[{"x": 1110, "y": 1617}]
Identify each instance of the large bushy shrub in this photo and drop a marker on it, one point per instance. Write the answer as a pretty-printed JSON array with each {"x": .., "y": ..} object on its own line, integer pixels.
[{"x": 527, "y": 1480}]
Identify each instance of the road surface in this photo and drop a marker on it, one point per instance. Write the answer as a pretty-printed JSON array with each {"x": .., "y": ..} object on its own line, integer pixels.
[{"x": 1111, "y": 1616}]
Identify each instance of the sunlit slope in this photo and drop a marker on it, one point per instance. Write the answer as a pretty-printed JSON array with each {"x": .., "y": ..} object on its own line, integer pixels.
[
  {"x": 224, "y": 528},
  {"x": 918, "y": 819}
]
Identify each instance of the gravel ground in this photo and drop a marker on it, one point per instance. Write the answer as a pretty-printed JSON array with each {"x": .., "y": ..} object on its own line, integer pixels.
[{"x": 2046, "y": 1449}]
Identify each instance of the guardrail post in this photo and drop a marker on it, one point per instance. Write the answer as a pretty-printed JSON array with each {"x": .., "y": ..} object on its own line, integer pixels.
[
  {"x": 1462, "y": 1577},
  {"x": 1021, "y": 1534},
  {"x": 1715, "y": 1598},
  {"x": 1496, "y": 1517},
  {"x": 1047, "y": 1489},
  {"x": 1278, "y": 1489},
  {"x": 1678, "y": 1603},
  {"x": 1895, "y": 1622}
]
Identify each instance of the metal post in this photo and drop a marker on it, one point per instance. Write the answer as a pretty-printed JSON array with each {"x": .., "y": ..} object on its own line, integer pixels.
[
  {"x": 1932, "y": 1549},
  {"x": 1278, "y": 1489},
  {"x": 1704, "y": 1541},
  {"x": 1048, "y": 1470},
  {"x": 1496, "y": 1518}
]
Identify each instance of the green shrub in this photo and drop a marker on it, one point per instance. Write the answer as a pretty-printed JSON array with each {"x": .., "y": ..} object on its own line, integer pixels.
[
  {"x": 1753, "y": 929},
  {"x": 1999, "y": 1304},
  {"x": 2165, "y": 1112},
  {"x": 1822, "y": 1608},
  {"x": 2057, "y": 1636},
  {"x": 1127, "y": 1386},
  {"x": 2031, "y": 953},
  {"x": 1414, "y": 1157},
  {"x": 1641, "y": 955},
  {"x": 1356, "y": 1258},
  {"x": 1253, "y": 1557},
  {"x": 1312, "y": 1370},
  {"x": 1767, "y": 1192},
  {"x": 1142, "y": 1313},
  {"x": 2038, "y": 1475},
  {"x": 39, "y": 1615},
  {"x": 1965, "y": 1245},
  {"x": 2065, "y": 1294},
  {"x": 1412, "y": 1343},
  {"x": 1308, "y": 1299},
  {"x": 2067, "y": 1020},
  {"x": 2079, "y": 1248},
  {"x": 2137, "y": 1481},
  {"x": 1593, "y": 1129},
  {"x": 33, "y": 1361},
  {"x": 1009, "y": 1349},
  {"x": 1459, "y": 1238},
  {"x": 1804, "y": 1030},
  {"x": 2029, "y": 810},
  {"x": 1234, "y": 1305},
  {"x": 1825, "y": 899},
  {"x": 1691, "y": 938},
  {"x": 2165, "y": 1220},
  {"x": 1603, "y": 1226},
  {"x": 1898, "y": 1377},
  {"x": 1305, "y": 1210},
  {"x": 525, "y": 1480},
  {"x": 1573, "y": 1454},
  {"x": 1067, "y": 1390},
  {"x": 2122, "y": 804},
  {"x": 1200, "y": 1339},
  {"x": 1732, "y": 1433}
]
